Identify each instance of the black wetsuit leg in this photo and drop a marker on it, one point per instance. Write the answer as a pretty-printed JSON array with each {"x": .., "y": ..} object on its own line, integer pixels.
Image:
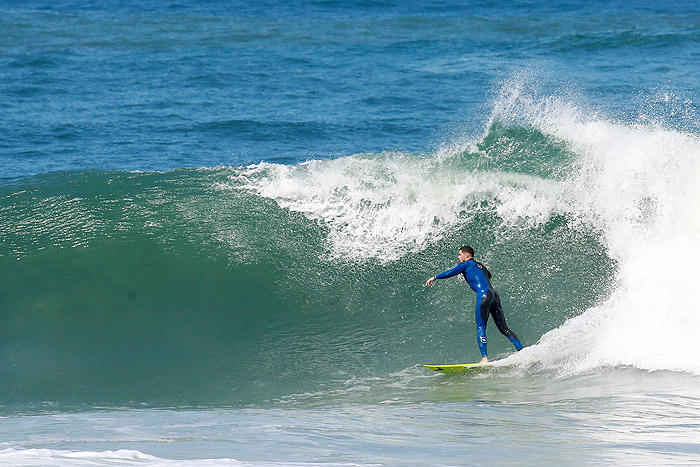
[{"x": 491, "y": 305}]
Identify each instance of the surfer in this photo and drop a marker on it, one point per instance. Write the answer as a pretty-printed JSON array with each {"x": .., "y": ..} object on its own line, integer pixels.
[{"x": 487, "y": 300}]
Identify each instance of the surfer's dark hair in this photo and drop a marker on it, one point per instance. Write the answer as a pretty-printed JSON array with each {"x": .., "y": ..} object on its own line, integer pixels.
[{"x": 467, "y": 249}]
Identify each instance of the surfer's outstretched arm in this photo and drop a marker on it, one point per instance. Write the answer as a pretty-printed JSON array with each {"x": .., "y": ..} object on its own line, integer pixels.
[{"x": 444, "y": 275}]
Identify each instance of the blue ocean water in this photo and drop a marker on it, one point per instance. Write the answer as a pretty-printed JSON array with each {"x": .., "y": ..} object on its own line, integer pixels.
[
  {"x": 216, "y": 219},
  {"x": 162, "y": 85}
]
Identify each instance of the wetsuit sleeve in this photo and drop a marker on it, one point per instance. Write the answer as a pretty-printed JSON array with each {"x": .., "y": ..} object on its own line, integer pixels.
[{"x": 460, "y": 268}]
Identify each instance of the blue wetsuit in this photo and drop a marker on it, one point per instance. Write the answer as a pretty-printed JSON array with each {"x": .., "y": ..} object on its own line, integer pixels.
[{"x": 487, "y": 301}]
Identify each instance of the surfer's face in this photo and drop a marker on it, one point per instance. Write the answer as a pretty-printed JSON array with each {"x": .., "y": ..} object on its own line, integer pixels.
[{"x": 463, "y": 256}]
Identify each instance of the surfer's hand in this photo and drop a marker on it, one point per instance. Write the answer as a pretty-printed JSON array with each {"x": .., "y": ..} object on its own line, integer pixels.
[{"x": 430, "y": 281}]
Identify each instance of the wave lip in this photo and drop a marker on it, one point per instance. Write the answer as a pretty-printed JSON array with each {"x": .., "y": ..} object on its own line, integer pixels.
[{"x": 388, "y": 205}]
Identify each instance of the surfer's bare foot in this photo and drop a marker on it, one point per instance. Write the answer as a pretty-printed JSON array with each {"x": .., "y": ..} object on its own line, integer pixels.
[{"x": 484, "y": 360}]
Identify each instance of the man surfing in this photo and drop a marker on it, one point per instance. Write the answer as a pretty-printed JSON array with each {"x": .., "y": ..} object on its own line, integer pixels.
[{"x": 487, "y": 300}]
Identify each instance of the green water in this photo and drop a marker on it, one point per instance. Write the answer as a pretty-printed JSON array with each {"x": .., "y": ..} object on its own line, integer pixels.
[{"x": 117, "y": 287}]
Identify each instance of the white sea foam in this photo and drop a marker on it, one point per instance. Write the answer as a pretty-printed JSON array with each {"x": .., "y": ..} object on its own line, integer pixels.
[
  {"x": 639, "y": 185},
  {"x": 54, "y": 457}
]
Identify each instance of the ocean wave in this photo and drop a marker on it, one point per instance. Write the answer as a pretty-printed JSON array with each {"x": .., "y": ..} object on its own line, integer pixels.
[{"x": 117, "y": 285}]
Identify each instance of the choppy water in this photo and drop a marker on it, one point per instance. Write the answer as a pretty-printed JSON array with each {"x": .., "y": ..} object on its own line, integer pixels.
[{"x": 216, "y": 220}]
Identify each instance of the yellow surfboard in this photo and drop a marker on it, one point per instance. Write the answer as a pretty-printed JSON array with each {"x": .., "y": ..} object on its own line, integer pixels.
[{"x": 458, "y": 367}]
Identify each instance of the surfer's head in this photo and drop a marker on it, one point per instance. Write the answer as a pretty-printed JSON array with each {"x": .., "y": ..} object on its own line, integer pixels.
[{"x": 465, "y": 253}]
